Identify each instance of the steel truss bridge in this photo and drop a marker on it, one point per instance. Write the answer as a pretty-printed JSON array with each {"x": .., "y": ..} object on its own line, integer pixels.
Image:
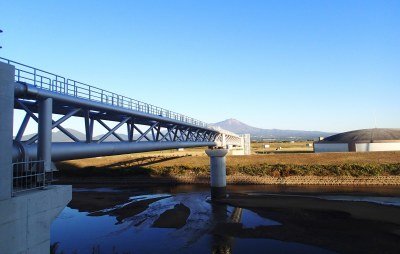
[
  {"x": 42, "y": 96},
  {"x": 44, "y": 93}
]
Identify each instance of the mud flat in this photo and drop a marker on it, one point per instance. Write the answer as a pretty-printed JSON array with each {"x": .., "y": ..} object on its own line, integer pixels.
[
  {"x": 173, "y": 218},
  {"x": 340, "y": 226},
  {"x": 110, "y": 203}
]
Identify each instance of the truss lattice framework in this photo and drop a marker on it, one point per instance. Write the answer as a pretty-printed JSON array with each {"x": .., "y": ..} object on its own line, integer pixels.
[
  {"x": 51, "y": 82},
  {"x": 40, "y": 92},
  {"x": 172, "y": 132}
]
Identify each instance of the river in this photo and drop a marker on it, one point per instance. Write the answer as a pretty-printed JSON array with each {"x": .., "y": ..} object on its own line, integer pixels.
[{"x": 183, "y": 219}]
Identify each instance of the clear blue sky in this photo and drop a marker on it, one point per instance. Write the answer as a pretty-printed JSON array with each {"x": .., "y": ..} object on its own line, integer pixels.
[{"x": 305, "y": 65}]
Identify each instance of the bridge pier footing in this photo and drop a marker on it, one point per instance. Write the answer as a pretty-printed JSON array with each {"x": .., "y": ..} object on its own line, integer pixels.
[
  {"x": 25, "y": 219},
  {"x": 218, "y": 172}
]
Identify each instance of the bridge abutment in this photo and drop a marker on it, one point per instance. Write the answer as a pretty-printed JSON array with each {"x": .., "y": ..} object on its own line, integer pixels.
[
  {"x": 218, "y": 172},
  {"x": 25, "y": 217}
]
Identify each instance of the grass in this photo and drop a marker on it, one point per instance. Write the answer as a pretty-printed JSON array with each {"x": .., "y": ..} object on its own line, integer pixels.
[
  {"x": 173, "y": 163},
  {"x": 285, "y": 170},
  {"x": 276, "y": 170},
  {"x": 261, "y": 169},
  {"x": 189, "y": 159},
  {"x": 287, "y": 147}
]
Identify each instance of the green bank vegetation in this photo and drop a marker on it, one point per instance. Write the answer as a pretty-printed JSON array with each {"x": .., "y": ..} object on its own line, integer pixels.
[{"x": 261, "y": 169}]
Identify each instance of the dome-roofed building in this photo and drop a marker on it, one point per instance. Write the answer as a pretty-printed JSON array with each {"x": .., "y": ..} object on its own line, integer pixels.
[{"x": 377, "y": 139}]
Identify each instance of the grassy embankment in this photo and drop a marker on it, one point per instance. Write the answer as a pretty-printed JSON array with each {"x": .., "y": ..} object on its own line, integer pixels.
[{"x": 294, "y": 159}]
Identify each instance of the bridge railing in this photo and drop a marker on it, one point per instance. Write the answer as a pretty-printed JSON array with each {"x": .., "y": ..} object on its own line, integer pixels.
[
  {"x": 49, "y": 81},
  {"x": 222, "y": 130}
]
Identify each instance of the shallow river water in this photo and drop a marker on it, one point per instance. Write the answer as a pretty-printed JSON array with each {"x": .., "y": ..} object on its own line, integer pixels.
[{"x": 78, "y": 229}]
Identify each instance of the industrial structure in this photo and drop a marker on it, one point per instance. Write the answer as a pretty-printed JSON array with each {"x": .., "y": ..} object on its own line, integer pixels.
[
  {"x": 367, "y": 140},
  {"x": 28, "y": 201}
]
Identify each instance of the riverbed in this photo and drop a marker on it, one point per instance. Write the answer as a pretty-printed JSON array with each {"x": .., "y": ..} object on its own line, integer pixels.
[{"x": 252, "y": 219}]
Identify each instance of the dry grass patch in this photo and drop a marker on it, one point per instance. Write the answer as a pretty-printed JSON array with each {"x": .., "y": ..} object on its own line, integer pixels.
[
  {"x": 198, "y": 161},
  {"x": 296, "y": 158},
  {"x": 278, "y": 165}
]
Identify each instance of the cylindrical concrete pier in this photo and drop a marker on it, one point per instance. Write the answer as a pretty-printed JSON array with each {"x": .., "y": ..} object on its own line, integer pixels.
[{"x": 218, "y": 172}]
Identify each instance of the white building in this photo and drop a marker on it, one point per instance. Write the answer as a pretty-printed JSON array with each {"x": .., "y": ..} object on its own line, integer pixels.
[{"x": 377, "y": 139}]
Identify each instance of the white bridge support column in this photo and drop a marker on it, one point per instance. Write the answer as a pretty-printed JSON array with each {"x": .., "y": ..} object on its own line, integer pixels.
[
  {"x": 218, "y": 172},
  {"x": 25, "y": 217}
]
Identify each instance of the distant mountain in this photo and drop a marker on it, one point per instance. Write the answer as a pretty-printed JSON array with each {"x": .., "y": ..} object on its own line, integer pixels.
[{"x": 238, "y": 127}]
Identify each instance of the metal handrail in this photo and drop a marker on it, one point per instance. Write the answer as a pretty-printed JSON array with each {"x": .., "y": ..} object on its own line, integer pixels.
[
  {"x": 59, "y": 84},
  {"x": 28, "y": 175}
]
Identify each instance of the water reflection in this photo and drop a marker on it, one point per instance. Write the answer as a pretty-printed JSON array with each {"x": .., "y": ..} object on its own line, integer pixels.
[
  {"x": 224, "y": 244},
  {"x": 127, "y": 222},
  {"x": 221, "y": 244}
]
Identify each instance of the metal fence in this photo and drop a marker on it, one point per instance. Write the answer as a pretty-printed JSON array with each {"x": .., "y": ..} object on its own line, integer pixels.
[
  {"x": 28, "y": 175},
  {"x": 49, "y": 81}
]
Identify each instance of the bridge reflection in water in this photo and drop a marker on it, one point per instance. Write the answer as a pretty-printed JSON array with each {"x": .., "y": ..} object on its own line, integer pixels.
[{"x": 222, "y": 244}]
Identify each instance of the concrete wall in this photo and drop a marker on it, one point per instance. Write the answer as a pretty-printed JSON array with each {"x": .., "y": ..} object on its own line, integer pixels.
[
  {"x": 6, "y": 128},
  {"x": 330, "y": 148},
  {"x": 369, "y": 147},
  {"x": 26, "y": 218},
  {"x": 237, "y": 151}
]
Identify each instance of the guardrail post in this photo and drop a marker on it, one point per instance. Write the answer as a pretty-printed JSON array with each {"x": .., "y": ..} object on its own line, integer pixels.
[
  {"x": 6, "y": 128},
  {"x": 44, "y": 132}
]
